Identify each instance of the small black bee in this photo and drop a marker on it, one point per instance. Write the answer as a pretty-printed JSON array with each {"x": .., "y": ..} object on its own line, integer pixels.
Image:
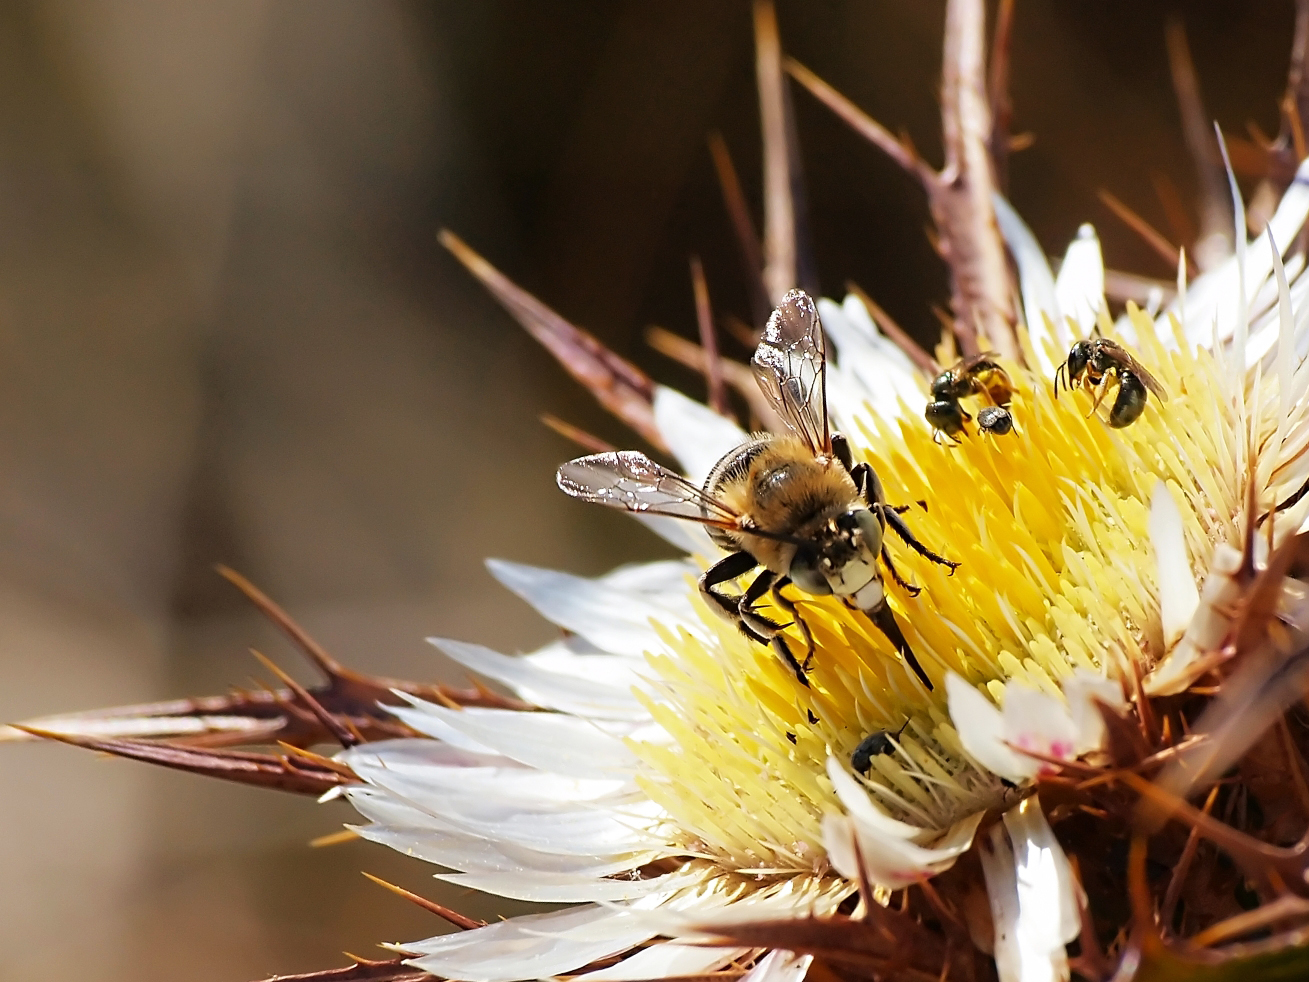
[
  {"x": 979, "y": 375},
  {"x": 874, "y": 745},
  {"x": 1093, "y": 362}
]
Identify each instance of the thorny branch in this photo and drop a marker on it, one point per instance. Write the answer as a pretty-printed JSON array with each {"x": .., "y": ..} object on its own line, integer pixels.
[{"x": 960, "y": 194}]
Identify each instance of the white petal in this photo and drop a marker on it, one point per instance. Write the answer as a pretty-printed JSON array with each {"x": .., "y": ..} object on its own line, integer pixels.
[
  {"x": 889, "y": 862},
  {"x": 520, "y": 787},
  {"x": 555, "y": 888},
  {"x": 666, "y": 960},
  {"x": 1083, "y": 690},
  {"x": 542, "y": 687},
  {"x": 981, "y": 729},
  {"x": 551, "y": 741},
  {"x": 529, "y": 947},
  {"x": 1046, "y": 886},
  {"x": 1002, "y": 892},
  {"x": 883, "y": 847},
  {"x": 697, "y": 436},
  {"x": 614, "y": 620},
  {"x": 779, "y": 966},
  {"x": 1178, "y": 596},
  {"x": 473, "y": 854},
  {"x": 1034, "y": 277},
  {"x": 1214, "y": 296},
  {"x": 687, "y": 536},
  {"x": 422, "y": 752},
  {"x": 1040, "y": 723},
  {"x": 861, "y": 806},
  {"x": 1079, "y": 287},
  {"x": 1033, "y": 899},
  {"x": 876, "y": 370}
]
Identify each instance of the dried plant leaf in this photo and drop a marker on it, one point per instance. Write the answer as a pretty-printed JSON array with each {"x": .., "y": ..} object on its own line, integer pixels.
[
  {"x": 363, "y": 970},
  {"x": 883, "y": 939},
  {"x": 298, "y": 773}
]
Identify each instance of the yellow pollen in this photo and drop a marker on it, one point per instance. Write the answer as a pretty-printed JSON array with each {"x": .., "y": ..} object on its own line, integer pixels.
[{"x": 1050, "y": 524}]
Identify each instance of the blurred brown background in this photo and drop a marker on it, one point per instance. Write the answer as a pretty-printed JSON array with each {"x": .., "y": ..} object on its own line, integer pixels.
[{"x": 227, "y": 334}]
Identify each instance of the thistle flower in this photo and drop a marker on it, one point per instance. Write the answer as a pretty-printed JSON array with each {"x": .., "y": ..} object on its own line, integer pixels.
[{"x": 1116, "y": 638}]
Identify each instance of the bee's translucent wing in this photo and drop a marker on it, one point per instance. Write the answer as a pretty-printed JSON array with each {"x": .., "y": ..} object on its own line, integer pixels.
[
  {"x": 630, "y": 480},
  {"x": 1149, "y": 380},
  {"x": 790, "y": 367}
]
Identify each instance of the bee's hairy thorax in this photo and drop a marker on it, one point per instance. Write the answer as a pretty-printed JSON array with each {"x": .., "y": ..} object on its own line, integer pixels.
[{"x": 783, "y": 488}]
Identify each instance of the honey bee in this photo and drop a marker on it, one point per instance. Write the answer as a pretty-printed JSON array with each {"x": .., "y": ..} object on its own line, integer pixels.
[
  {"x": 979, "y": 375},
  {"x": 794, "y": 503},
  {"x": 1093, "y": 362}
]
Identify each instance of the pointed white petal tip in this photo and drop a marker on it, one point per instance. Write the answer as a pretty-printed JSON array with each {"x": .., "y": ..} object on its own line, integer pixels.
[
  {"x": 697, "y": 436},
  {"x": 887, "y": 852},
  {"x": 1040, "y": 307},
  {"x": 1034, "y": 897},
  {"x": 1079, "y": 287},
  {"x": 1178, "y": 596}
]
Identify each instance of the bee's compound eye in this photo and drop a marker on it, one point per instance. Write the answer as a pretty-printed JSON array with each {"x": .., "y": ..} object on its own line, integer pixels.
[
  {"x": 871, "y": 528},
  {"x": 804, "y": 573}
]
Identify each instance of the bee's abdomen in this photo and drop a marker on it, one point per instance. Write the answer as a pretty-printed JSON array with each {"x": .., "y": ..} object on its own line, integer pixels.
[{"x": 729, "y": 474}]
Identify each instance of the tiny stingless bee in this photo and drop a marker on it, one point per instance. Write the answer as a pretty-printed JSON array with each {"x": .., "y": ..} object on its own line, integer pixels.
[
  {"x": 1093, "y": 362},
  {"x": 979, "y": 375},
  {"x": 793, "y": 503}
]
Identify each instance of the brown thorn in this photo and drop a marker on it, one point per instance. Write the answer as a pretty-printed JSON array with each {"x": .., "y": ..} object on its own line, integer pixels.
[
  {"x": 1283, "y": 908},
  {"x": 1152, "y": 237},
  {"x": 1295, "y": 760},
  {"x": 344, "y": 734},
  {"x": 1121, "y": 287},
  {"x": 1002, "y": 108},
  {"x": 982, "y": 285},
  {"x": 781, "y": 259},
  {"x": 1183, "y": 867},
  {"x": 459, "y": 920},
  {"x": 704, "y": 316},
  {"x": 1295, "y": 103},
  {"x": 334, "y": 839},
  {"x": 744, "y": 334},
  {"x": 1092, "y": 962},
  {"x": 578, "y": 435},
  {"x": 1170, "y": 199},
  {"x": 863, "y": 124},
  {"x": 946, "y": 911},
  {"x": 363, "y": 970},
  {"x": 259, "y": 770},
  {"x": 747, "y": 238},
  {"x": 737, "y": 375},
  {"x": 1215, "y": 236},
  {"x": 316, "y": 653},
  {"x": 912, "y": 349},
  {"x": 616, "y": 383}
]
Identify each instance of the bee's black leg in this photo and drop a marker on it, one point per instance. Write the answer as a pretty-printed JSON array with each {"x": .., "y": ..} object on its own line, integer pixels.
[
  {"x": 841, "y": 448},
  {"x": 779, "y": 645},
  {"x": 882, "y": 617},
  {"x": 757, "y": 624},
  {"x": 790, "y": 607},
  {"x": 729, "y": 568},
  {"x": 909, "y": 588},
  {"x": 902, "y": 530}
]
